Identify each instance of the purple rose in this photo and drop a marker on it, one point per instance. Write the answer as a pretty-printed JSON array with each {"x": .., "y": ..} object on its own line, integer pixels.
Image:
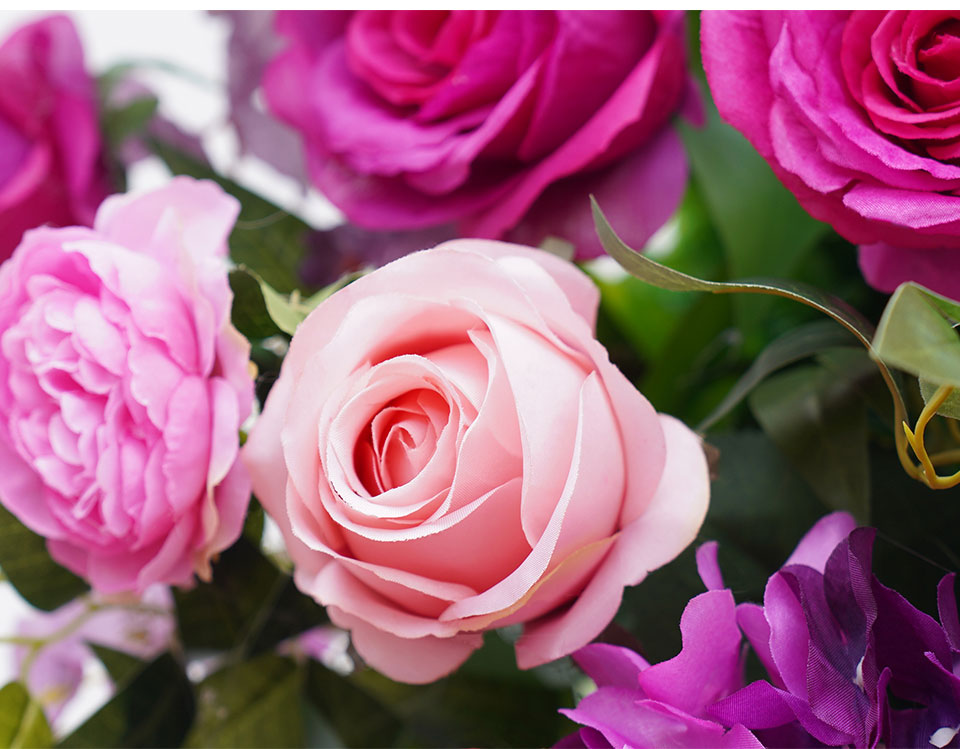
[
  {"x": 502, "y": 122},
  {"x": 51, "y": 169},
  {"x": 858, "y": 113}
]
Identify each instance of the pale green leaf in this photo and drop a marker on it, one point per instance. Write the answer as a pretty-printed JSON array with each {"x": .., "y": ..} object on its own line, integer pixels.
[{"x": 22, "y": 722}]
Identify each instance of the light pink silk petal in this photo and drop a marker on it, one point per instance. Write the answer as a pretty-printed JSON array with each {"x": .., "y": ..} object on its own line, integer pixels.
[
  {"x": 491, "y": 532},
  {"x": 334, "y": 585},
  {"x": 581, "y": 292},
  {"x": 669, "y": 525},
  {"x": 262, "y": 453},
  {"x": 412, "y": 661},
  {"x": 577, "y": 487},
  {"x": 545, "y": 386}
]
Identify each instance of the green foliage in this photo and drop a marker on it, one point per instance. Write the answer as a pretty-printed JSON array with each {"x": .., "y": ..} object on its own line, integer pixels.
[
  {"x": 154, "y": 706},
  {"x": 26, "y": 563},
  {"x": 822, "y": 430},
  {"x": 487, "y": 702},
  {"x": 22, "y": 722},
  {"x": 250, "y": 704},
  {"x": 918, "y": 334},
  {"x": 789, "y": 348},
  {"x": 764, "y": 230},
  {"x": 249, "y": 605}
]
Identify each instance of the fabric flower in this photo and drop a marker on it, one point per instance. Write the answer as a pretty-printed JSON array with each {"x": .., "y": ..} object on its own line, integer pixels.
[
  {"x": 51, "y": 165},
  {"x": 123, "y": 385},
  {"x": 501, "y": 121},
  {"x": 448, "y": 449},
  {"x": 857, "y": 113},
  {"x": 640, "y": 705},
  {"x": 838, "y": 644}
]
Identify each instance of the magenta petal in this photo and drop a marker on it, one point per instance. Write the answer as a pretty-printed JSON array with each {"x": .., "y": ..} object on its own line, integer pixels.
[
  {"x": 819, "y": 542},
  {"x": 708, "y": 666},
  {"x": 611, "y": 665},
  {"x": 886, "y": 267}
]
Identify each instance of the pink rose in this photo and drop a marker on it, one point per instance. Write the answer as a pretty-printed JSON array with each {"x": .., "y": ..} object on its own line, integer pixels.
[
  {"x": 51, "y": 166},
  {"x": 448, "y": 449},
  {"x": 123, "y": 386},
  {"x": 502, "y": 121},
  {"x": 858, "y": 113}
]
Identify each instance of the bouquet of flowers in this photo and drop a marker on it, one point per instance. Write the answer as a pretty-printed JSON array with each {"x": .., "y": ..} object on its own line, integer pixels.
[{"x": 594, "y": 388}]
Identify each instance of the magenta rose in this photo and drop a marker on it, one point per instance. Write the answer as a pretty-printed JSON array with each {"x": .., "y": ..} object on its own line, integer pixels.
[
  {"x": 858, "y": 113},
  {"x": 51, "y": 165},
  {"x": 123, "y": 385},
  {"x": 448, "y": 449},
  {"x": 500, "y": 121}
]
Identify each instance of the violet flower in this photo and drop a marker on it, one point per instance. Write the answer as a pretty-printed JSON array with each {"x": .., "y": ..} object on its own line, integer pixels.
[
  {"x": 640, "y": 705},
  {"x": 850, "y": 662}
]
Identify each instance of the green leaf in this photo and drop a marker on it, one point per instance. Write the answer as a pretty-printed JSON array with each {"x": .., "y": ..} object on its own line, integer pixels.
[
  {"x": 820, "y": 425},
  {"x": 918, "y": 334},
  {"x": 789, "y": 348},
  {"x": 153, "y": 706},
  {"x": 220, "y": 614},
  {"x": 358, "y": 718},
  {"x": 667, "y": 278},
  {"x": 28, "y": 566},
  {"x": 266, "y": 239},
  {"x": 119, "y": 123},
  {"x": 122, "y": 667},
  {"x": 764, "y": 229},
  {"x": 249, "y": 604},
  {"x": 22, "y": 722},
  {"x": 950, "y": 407},
  {"x": 249, "y": 311},
  {"x": 252, "y": 704},
  {"x": 287, "y": 311}
]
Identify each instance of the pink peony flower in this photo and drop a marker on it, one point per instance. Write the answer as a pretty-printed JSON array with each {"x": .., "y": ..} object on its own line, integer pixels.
[
  {"x": 858, "y": 113},
  {"x": 123, "y": 386},
  {"x": 448, "y": 449},
  {"x": 51, "y": 166},
  {"x": 503, "y": 121}
]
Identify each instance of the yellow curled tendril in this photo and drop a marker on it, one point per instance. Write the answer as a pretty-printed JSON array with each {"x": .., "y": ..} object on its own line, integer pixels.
[{"x": 928, "y": 473}]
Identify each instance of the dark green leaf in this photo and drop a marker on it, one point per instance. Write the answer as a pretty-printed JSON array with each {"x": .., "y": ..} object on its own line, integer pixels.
[
  {"x": 919, "y": 334},
  {"x": 266, "y": 239},
  {"x": 220, "y": 614},
  {"x": 27, "y": 564},
  {"x": 791, "y": 347},
  {"x": 358, "y": 718},
  {"x": 291, "y": 613},
  {"x": 249, "y": 312},
  {"x": 22, "y": 722},
  {"x": 820, "y": 425},
  {"x": 122, "y": 667},
  {"x": 253, "y": 524},
  {"x": 252, "y": 704},
  {"x": 153, "y": 707}
]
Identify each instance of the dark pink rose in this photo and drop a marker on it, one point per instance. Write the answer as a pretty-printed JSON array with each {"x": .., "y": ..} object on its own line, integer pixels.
[
  {"x": 51, "y": 170},
  {"x": 858, "y": 113},
  {"x": 501, "y": 121}
]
